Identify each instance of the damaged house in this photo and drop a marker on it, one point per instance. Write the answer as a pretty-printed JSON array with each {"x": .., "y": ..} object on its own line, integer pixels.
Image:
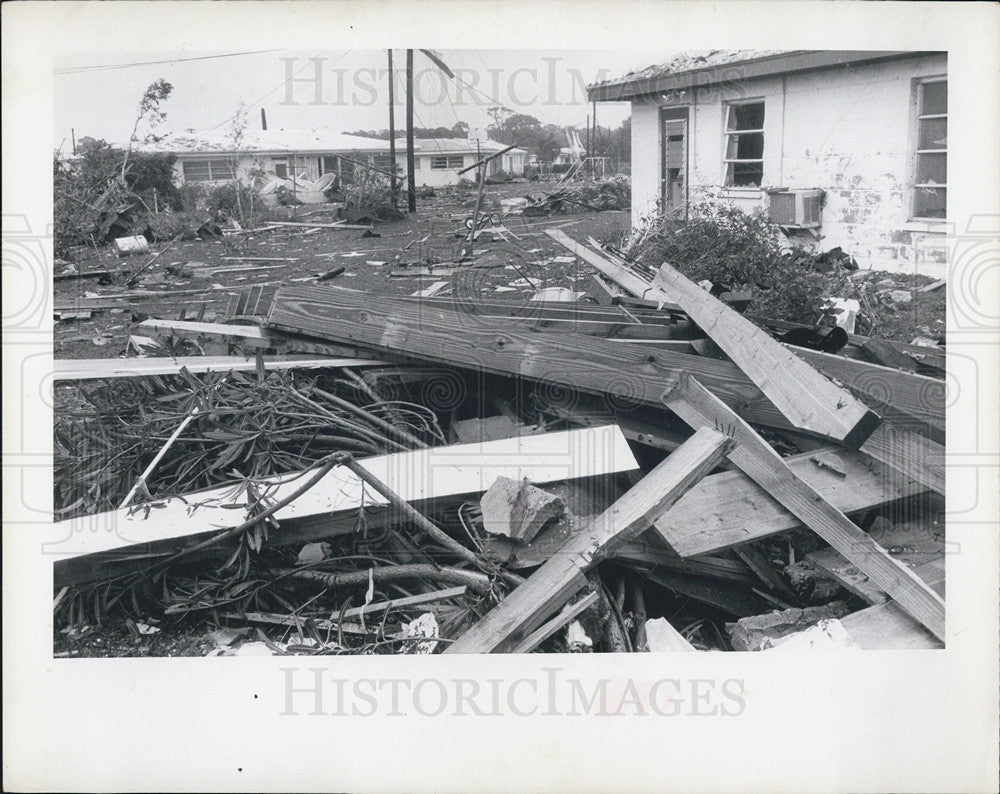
[
  {"x": 307, "y": 155},
  {"x": 846, "y": 148}
]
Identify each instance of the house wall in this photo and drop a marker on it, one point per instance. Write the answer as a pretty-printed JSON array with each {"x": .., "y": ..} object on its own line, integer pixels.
[{"x": 849, "y": 131}]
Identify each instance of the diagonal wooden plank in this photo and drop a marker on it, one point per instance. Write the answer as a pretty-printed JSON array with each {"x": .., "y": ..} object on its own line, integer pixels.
[
  {"x": 809, "y": 400},
  {"x": 758, "y": 460},
  {"x": 729, "y": 509},
  {"x": 562, "y": 575},
  {"x": 910, "y": 400}
]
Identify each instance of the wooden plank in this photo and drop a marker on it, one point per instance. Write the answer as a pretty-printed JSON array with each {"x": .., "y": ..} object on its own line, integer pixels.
[
  {"x": 896, "y": 394},
  {"x": 562, "y": 576},
  {"x": 566, "y": 614},
  {"x": 755, "y": 457},
  {"x": 886, "y": 627},
  {"x": 809, "y": 400},
  {"x": 729, "y": 509},
  {"x": 624, "y": 278},
  {"x": 881, "y": 352},
  {"x": 404, "y": 329},
  {"x": 251, "y": 334},
  {"x": 425, "y": 474},
  {"x": 662, "y": 637},
  {"x": 99, "y": 368},
  {"x": 407, "y": 601},
  {"x": 910, "y": 400},
  {"x": 909, "y": 453},
  {"x": 913, "y": 545}
]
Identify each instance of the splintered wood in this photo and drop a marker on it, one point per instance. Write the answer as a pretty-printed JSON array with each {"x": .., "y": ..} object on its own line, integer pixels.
[{"x": 562, "y": 576}]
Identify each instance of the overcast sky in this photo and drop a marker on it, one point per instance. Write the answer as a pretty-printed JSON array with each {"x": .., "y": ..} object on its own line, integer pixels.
[{"x": 97, "y": 94}]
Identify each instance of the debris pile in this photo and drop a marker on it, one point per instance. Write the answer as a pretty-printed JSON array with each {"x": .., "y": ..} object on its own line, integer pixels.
[
  {"x": 658, "y": 468},
  {"x": 609, "y": 194}
]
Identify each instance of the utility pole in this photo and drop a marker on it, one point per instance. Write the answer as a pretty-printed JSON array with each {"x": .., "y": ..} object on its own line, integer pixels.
[
  {"x": 411, "y": 191},
  {"x": 392, "y": 131},
  {"x": 263, "y": 119}
]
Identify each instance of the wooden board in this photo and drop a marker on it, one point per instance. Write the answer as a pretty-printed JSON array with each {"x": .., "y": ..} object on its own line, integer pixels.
[
  {"x": 729, "y": 509},
  {"x": 250, "y": 334},
  {"x": 437, "y": 472},
  {"x": 755, "y": 457},
  {"x": 96, "y": 368},
  {"x": 808, "y": 400},
  {"x": 630, "y": 373},
  {"x": 898, "y": 395},
  {"x": 886, "y": 627},
  {"x": 623, "y": 277},
  {"x": 545, "y": 591}
]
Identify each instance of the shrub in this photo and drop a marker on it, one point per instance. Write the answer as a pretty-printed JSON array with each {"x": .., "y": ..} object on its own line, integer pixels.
[{"x": 743, "y": 251}]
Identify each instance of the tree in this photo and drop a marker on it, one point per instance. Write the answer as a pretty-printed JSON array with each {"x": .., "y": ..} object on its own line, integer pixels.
[{"x": 150, "y": 112}]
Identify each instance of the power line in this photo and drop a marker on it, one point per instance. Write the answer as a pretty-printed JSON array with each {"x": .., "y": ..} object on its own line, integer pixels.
[{"x": 108, "y": 67}]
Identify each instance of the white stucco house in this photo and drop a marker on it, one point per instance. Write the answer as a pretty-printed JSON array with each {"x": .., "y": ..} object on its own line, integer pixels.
[
  {"x": 307, "y": 155},
  {"x": 847, "y": 148}
]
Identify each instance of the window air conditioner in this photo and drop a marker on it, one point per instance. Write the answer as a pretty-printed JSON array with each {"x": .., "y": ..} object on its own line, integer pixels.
[{"x": 797, "y": 208}]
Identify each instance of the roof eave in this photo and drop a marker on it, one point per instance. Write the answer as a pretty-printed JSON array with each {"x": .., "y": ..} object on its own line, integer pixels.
[{"x": 739, "y": 71}]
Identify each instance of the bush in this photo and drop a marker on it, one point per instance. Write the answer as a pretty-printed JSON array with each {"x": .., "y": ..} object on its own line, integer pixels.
[{"x": 743, "y": 251}]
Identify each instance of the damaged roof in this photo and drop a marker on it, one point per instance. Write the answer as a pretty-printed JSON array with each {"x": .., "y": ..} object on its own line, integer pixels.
[
  {"x": 306, "y": 141},
  {"x": 704, "y": 68}
]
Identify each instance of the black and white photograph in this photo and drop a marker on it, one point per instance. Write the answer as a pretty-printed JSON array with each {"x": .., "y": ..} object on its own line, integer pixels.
[{"x": 408, "y": 367}]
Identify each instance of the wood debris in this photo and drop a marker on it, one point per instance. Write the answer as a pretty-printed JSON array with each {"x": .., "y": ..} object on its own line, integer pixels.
[{"x": 650, "y": 468}]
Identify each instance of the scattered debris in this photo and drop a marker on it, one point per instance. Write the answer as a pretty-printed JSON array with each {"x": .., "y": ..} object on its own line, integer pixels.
[{"x": 518, "y": 510}]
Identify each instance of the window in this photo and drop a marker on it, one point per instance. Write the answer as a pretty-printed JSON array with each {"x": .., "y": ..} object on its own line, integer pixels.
[
  {"x": 281, "y": 169},
  {"x": 207, "y": 170},
  {"x": 930, "y": 182},
  {"x": 744, "y": 158},
  {"x": 446, "y": 162}
]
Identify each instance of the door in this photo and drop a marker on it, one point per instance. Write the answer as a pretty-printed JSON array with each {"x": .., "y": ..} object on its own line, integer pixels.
[{"x": 674, "y": 176}]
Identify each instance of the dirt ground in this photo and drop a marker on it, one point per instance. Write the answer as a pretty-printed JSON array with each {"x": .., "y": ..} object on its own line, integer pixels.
[{"x": 512, "y": 268}]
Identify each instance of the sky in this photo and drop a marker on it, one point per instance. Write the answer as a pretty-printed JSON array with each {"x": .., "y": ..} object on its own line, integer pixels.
[{"x": 97, "y": 94}]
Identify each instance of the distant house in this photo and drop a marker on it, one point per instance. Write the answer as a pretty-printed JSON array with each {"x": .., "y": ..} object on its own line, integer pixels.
[
  {"x": 307, "y": 155},
  {"x": 847, "y": 147},
  {"x": 438, "y": 160}
]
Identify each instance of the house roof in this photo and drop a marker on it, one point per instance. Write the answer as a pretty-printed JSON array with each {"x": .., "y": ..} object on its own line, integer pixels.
[
  {"x": 298, "y": 141},
  {"x": 459, "y": 146},
  {"x": 700, "y": 69},
  {"x": 304, "y": 141}
]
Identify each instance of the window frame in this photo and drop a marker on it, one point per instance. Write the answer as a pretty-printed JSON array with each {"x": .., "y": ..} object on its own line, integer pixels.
[
  {"x": 917, "y": 152},
  {"x": 211, "y": 164},
  {"x": 449, "y": 162},
  {"x": 727, "y": 134}
]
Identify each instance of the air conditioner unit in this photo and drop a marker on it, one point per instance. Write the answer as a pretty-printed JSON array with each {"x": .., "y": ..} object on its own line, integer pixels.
[{"x": 796, "y": 207}]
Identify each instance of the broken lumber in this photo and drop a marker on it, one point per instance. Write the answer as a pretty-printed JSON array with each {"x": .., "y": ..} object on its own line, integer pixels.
[
  {"x": 662, "y": 637},
  {"x": 729, "y": 509},
  {"x": 758, "y": 460},
  {"x": 546, "y": 630},
  {"x": 408, "y": 329},
  {"x": 86, "y": 546},
  {"x": 518, "y": 510},
  {"x": 901, "y": 396},
  {"x": 886, "y": 627},
  {"x": 322, "y": 225},
  {"x": 99, "y": 368},
  {"x": 623, "y": 277},
  {"x": 809, "y": 400},
  {"x": 562, "y": 576}
]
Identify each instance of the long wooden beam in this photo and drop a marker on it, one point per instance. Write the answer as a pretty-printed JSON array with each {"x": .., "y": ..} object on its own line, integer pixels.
[
  {"x": 98, "y": 368},
  {"x": 418, "y": 475},
  {"x": 562, "y": 576},
  {"x": 757, "y": 459},
  {"x": 628, "y": 373},
  {"x": 912, "y": 401},
  {"x": 729, "y": 509},
  {"x": 808, "y": 400}
]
